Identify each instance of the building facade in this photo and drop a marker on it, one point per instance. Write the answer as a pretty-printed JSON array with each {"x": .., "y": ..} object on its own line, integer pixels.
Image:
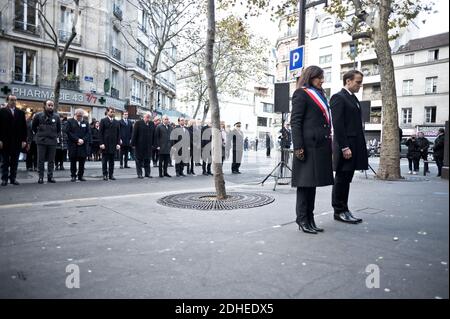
[
  {"x": 421, "y": 75},
  {"x": 101, "y": 69}
]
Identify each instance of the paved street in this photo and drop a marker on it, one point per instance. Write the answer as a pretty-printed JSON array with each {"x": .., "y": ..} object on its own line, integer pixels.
[{"x": 127, "y": 246}]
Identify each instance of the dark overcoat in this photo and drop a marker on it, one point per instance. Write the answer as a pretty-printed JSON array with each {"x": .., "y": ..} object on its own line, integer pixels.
[
  {"x": 74, "y": 133},
  {"x": 143, "y": 139},
  {"x": 13, "y": 129},
  {"x": 162, "y": 138},
  {"x": 109, "y": 135},
  {"x": 348, "y": 132},
  {"x": 311, "y": 132}
]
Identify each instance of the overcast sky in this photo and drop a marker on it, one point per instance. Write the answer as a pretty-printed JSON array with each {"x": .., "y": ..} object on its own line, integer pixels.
[{"x": 435, "y": 22}]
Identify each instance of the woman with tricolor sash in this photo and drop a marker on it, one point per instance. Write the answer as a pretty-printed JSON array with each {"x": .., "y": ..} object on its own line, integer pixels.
[{"x": 312, "y": 138}]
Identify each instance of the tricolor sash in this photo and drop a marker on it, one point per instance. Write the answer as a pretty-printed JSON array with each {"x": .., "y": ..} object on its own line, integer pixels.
[{"x": 320, "y": 102}]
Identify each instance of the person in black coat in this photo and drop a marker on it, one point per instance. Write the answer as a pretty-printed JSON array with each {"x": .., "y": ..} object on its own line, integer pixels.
[
  {"x": 181, "y": 137},
  {"x": 126, "y": 132},
  {"x": 143, "y": 142},
  {"x": 109, "y": 142},
  {"x": 47, "y": 126},
  {"x": 413, "y": 154},
  {"x": 31, "y": 161},
  {"x": 95, "y": 138},
  {"x": 311, "y": 135},
  {"x": 163, "y": 145},
  {"x": 438, "y": 150},
  {"x": 13, "y": 138},
  {"x": 424, "y": 144},
  {"x": 206, "y": 149},
  {"x": 349, "y": 147},
  {"x": 268, "y": 144},
  {"x": 79, "y": 135},
  {"x": 237, "y": 142}
]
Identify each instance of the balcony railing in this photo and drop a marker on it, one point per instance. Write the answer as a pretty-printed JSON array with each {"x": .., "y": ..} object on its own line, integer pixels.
[
  {"x": 64, "y": 36},
  {"x": 21, "y": 26},
  {"x": 70, "y": 84},
  {"x": 115, "y": 93},
  {"x": 25, "y": 78},
  {"x": 118, "y": 12},
  {"x": 116, "y": 54},
  {"x": 141, "y": 63}
]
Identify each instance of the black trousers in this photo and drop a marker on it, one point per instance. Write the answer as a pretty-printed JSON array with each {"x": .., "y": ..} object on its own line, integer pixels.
[
  {"x": 306, "y": 197},
  {"x": 341, "y": 190},
  {"x": 268, "y": 151},
  {"x": 46, "y": 153},
  {"x": 60, "y": 157},
  {"x": 163, "y": 163},
  {"x": 155, "y": 156},
  {"x": 73, "y": 166},
  {"x": 32, "y": 156},
  {"x": 235, "y": 165},
  {"x": 124, "y": 153},
  {"x": 179, "y": 167},
  {"x": 108, "y": 164},
  {"x": 9, "y": 164},
  {"x": 414, "y": 161},
  {"x": 439, "y": 164},
  {"x": 206, "y": 167},
  {"x": 143, "y": 163}
]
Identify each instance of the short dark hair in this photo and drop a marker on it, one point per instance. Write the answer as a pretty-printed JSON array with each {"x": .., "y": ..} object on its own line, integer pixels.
[
  {"x": 8, "y": 96},
  {"x": 350, "y": 75},
  {"x": 308, "y": 74},
  {"x": 108, "y": 109}
]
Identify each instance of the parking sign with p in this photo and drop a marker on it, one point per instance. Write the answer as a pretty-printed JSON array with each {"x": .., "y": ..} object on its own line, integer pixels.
[{"x": 296, "y": 59}]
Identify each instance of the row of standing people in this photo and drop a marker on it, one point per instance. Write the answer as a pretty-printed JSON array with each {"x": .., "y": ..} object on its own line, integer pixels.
[{"x": 45, "y": 134}]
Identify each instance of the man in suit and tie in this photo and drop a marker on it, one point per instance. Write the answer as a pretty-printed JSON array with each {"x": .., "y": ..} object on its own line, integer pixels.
[
  {"x": 164, "y": 145},
  {"x": 126, "y": 132},
  {"x": 13, "y": 138},
  {"x": 79, "y": 134},
  {"x": 109, "y": 142},
  {"x": 349, "y": 144}
]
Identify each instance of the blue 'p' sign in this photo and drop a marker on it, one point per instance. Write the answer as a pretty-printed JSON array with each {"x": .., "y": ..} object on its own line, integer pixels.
[{"x": 296, "y": 59}]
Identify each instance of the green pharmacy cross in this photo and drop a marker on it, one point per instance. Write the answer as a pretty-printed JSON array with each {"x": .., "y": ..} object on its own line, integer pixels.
[
  {"x": 5, "y": 90},
  {"x": 102, "y": 100}
]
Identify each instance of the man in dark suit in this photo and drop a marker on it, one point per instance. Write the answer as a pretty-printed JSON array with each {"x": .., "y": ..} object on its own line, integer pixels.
[
  {"x": 126, "y": 132},
  {"x": 181, "y": 138},
  {"x": 142, "y": 141},
  {"x": 349, "y": 147},
  {"x": 238, "y": 147},
  {"x": 163, "y": 145},
  {"x": 79, "y": 134},
  {"x": 13, "y": 138},
  {"x": 109, "y": 142}
]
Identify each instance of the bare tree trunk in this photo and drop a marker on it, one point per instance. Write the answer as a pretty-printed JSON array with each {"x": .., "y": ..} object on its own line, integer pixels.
[
  {"x": 390, "y": 154},
  {"x": 59, "y": 76},
  {"x": 219, "y": 182},
  {"x": 152, "y": 92}
]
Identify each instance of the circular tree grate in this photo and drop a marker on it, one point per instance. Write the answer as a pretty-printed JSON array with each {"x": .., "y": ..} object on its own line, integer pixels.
[{"x": 208, "y": 201}]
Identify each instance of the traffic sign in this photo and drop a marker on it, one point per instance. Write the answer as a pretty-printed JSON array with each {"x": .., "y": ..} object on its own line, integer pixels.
[{"x": 296, "y": 58}]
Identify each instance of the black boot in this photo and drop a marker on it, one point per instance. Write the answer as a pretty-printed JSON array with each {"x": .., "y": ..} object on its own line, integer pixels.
[
  {"x": 306, "y": 228},
  {"x": 312, "y": 223}
]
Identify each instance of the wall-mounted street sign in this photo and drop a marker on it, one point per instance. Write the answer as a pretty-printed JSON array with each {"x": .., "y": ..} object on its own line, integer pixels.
[
  {"x": 89, "y": 79},
  {"x": 296, "y": 57}
]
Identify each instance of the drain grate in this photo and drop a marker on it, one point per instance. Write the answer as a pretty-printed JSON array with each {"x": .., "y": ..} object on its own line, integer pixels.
[
  {"x": 208, "y": 201},
  {"x": 369, "y": 210}
]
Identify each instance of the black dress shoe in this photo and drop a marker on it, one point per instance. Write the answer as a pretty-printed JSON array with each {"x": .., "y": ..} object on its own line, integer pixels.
[
  {"x": 40, "y": 181},
  {"x": 126, "y": 166},
  {"x": 81, "y": 179},
  {"x": 148, "y": 176},
  {"x": 343, "y": 217},
  {"x": 4, "y": 183},
  {"x": 306, "y": 228},
  {"x": 105, "y": 178},
  {"x": 14, "y": 182},
  {"x": 73, "y": 179},
  {"x": 161, "y": 176},
  {"x": 314, "y": 227},
  {"x": 167, "y": 175},
  {"x": 177, "y": 175},
  {"x": 140, "y": 176},
  {"x": 51, "y": 180},
  {"x": 112, "y": 178},
  {"x": 358, "y": 220}
]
